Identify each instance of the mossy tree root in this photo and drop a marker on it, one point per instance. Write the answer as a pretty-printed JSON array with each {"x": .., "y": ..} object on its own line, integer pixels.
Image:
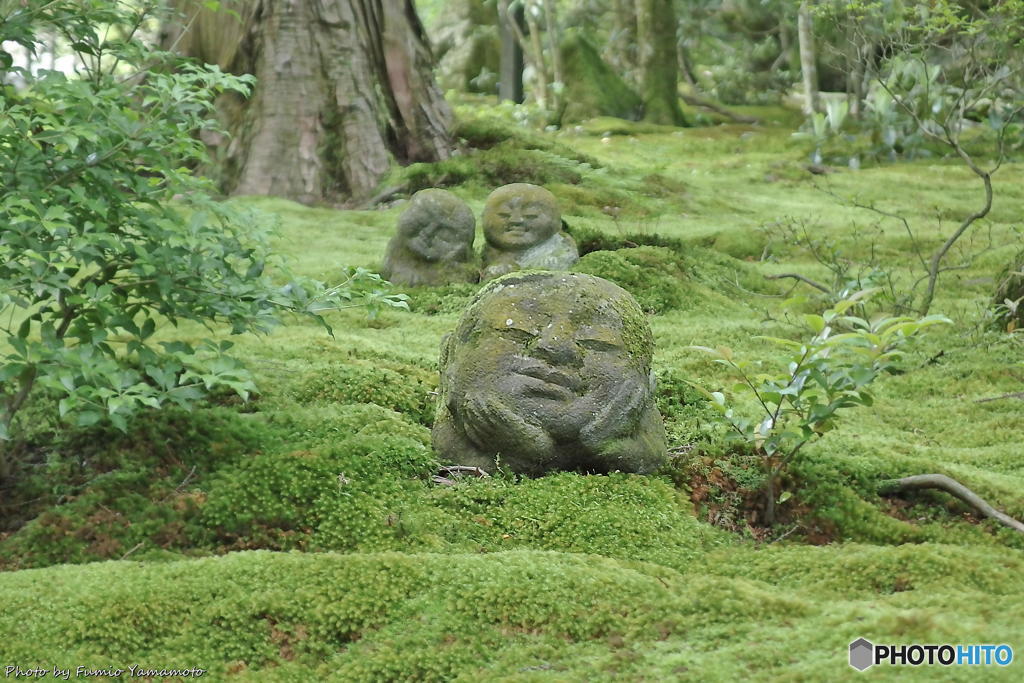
[{"x": 953, "y": 487}]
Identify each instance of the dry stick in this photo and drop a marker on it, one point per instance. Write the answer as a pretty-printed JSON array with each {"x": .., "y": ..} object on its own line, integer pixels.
[
  {"x": 798, "y": 276},
  {"x": 953, "y": 487},
  {"x": 698, "y": 101},
  {"x": 384, "y": 195},
  {"x": 137, "y": 546},
  {"x": 1017, "y": 394}
]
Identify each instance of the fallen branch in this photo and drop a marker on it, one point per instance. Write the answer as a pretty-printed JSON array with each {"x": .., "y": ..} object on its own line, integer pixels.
[
  {"x": 1016, "y": 394},
  {"x": 137, "y": 546},
  {"x": 798, "y": 276},
  {"x": 383, "y": 196},
  {"x": 455, "y": 473},
  {"x": 698, "y": 101},
  {"x": 953, "y": 487}
]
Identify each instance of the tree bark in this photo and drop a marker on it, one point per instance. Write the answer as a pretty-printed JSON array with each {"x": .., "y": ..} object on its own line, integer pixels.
[
  {"x": 344, "y": 87},
  {"x": 808, "y": 58},
  {"x": 659, "y": 70},
  {"x": 510, "y": 78},
  {"x": 622, "y": 49}
]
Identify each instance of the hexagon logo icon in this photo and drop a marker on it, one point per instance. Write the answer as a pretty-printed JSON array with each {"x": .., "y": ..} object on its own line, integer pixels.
[{"x": 862, "y": 654}]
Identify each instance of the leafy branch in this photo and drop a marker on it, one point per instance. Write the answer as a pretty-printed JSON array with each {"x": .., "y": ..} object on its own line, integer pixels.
[{"x": 825, "y": 374}]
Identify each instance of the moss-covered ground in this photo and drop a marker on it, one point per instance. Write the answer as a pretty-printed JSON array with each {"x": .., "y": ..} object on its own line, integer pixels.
[{"x": 299, "y": 536}]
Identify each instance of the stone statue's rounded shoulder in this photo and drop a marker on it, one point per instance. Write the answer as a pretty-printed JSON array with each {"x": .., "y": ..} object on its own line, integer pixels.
[{"x": 559, "y": 252}]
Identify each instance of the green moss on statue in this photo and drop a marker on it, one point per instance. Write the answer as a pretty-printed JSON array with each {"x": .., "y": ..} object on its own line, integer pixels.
[{"x": 550, "y": 371}]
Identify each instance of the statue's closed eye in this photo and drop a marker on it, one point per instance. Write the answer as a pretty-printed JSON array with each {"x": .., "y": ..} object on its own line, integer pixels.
[
  {"x": 517, "y": 335},
  {"x": 598, "y": 345}
]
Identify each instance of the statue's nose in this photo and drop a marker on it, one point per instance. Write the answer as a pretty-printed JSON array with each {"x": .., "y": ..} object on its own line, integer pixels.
[{"x": 557, "y": 347}]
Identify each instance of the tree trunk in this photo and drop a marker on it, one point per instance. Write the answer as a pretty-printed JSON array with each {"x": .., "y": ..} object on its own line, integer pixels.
[
  {"x": 622, "y": 48},
  {"x": 510, "y": 77},
  {"x": 343, "y": 88},
  {"x": 540, "y": 66},
  {"x": 659, "y": 69},
  {"x": 808, "y": 58}
]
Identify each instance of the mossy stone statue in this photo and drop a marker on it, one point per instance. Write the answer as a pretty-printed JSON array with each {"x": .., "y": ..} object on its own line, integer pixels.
[
  {"x": 434, "y": 242},
  {"x": 523, "y": 229},
  {"x": 550, "y": 371}
]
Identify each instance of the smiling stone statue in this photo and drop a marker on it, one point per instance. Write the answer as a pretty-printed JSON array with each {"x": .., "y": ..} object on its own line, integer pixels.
[
  {"x": 523, "y": 229},
  {"x": 434, "y": 242},
  {"x": 550, "y": 371}
]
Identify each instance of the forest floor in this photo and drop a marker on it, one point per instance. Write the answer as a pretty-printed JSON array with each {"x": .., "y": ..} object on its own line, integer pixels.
[{"x": 299, "y": 536}]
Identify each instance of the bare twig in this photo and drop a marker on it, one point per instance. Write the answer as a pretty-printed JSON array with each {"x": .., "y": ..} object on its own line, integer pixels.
[
  {"x": 1016, "y": 394},
  {"x": 698, "y": 101},
  {"x": 784, "y": 535},
  {"x": 384, "y": 195},
  {"x": 137, "y": 546},
  {"x": 802, "y": 278},
  {"x": 953, "y": 487},
  {"x": 456, "y": 472}
]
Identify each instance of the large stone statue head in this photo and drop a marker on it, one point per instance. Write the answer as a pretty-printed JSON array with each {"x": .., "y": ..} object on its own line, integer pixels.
[
  {"x": 522, "y": 227},
  {"x": 434, "y": 242},
  {"x": 549, "y": 371}
]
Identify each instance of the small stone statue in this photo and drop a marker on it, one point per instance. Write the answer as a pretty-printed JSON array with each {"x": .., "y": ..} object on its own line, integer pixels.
[
  {"x": 434, "y": 242},
  {"x": 550, "y": 371},
  {"x": 523, "y": 229}
]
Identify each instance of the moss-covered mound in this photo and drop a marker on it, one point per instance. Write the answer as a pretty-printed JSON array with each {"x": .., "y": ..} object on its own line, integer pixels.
[
  {"x": 500, "y": 165},
  {"x": 673, "y": 277},
  {"x": 407, "y": 390},
  {"x": 520, "y": 615},
  {"x": 651, "y": 274}
]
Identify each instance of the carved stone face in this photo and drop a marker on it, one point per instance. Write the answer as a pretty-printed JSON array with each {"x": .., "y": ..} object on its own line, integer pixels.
[
  {"x": 551, "y": 370},
  {"x": 437, "y": 226},
  {"x": 519, "y": 216}
]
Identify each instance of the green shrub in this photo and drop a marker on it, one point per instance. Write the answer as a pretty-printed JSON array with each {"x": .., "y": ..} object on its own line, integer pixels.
[{"x": 107, "y": 236}]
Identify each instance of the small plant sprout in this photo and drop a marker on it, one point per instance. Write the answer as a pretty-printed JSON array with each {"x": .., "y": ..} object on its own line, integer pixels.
[{"x": 828, "y": 372}]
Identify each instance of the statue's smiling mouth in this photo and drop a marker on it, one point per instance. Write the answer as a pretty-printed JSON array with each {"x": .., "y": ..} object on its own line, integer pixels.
[{"x": 549, "y": 375}]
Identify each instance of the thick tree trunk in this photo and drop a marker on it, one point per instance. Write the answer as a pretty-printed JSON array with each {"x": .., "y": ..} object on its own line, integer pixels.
[
  {"x": 808, "y": 58},
  {"x": 659, "y": 69},
  {"x": 344, "y": 87}
]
